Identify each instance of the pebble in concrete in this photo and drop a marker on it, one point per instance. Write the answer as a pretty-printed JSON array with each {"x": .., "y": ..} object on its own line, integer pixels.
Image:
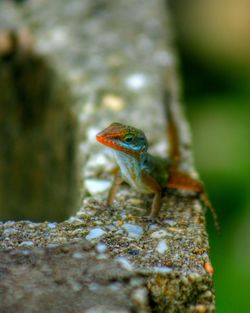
[
  {"x": 133, "y": 230},
  {"x": 162, "y": 247},
  {"x": 95, "y": 233},
  {"x": 159, "y": 234},
  {"x": 95, "y": 186}
]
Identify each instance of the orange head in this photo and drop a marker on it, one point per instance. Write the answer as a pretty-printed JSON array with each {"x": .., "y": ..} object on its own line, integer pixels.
[{"x": 127, "y": 139}]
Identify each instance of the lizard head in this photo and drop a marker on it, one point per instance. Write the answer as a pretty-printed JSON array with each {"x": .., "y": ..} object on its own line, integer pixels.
[{"x": 123, "y": 138}]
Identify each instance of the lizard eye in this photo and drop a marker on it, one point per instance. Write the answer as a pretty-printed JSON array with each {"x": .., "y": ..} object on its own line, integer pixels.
[{"x": 128, "y": 138}]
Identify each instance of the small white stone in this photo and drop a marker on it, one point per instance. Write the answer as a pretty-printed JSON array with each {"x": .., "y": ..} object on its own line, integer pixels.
[
  {"x": 115, "y": 286},
  {"x": 169, "y": 222},
  {"x": 95, "y": 186},
  {"x": 28, "y": 243},
  {"x": 9, "y": 224},
  {"x": 93, "y": 286},
  {"x": 95, "y": 233},
  {"x": 111, "y": 227},
  {"x": 198, "y": 206},
  {"x": 101, "y": 248},
  {"x": 162, "y": 247},
  {"x": 74, "y": 219},
  {"x": 133, "y": 230},
  {"x": 204, "y": 255},
  {"x": 76, "y": 286},
  {"x": 98, "y": 223},
  {"x": 34, "y": 225},
  {"x": 52, "y": 225},
  {"x": 25, "y": 252},
  {"x": 52, "y": 245},
  {"x": 140, "y": 295},
  {"x": 159, "y": 234},
  {"x": 9, "y": 231},
  {"x": 119, "y": 232},
  {"x": 194, "y": 277},
  {"x": 124, "y": 263},
  {"x": 162, "y": 269},
  {"x": 152, "y": 227}
]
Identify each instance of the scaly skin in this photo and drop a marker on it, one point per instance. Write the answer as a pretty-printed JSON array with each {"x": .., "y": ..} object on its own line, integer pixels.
[{"x": 144, "y": 172}]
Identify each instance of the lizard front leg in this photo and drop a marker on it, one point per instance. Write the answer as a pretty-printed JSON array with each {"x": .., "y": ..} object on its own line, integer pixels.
[
  {"x": 153, "y": 185},
  {"x": 114, "y": 187}
]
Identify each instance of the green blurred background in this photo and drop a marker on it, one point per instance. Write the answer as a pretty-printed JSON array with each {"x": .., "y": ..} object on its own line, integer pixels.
[{"x": 213, "y": 38}]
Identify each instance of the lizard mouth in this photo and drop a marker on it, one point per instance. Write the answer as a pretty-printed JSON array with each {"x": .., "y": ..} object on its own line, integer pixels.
[
  {"x": 107, "y": 140},
  {"x": 103, "y": 139},
  {"x": 111, "y": 142}
]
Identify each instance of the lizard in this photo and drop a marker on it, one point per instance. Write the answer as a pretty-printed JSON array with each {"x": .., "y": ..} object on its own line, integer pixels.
[{"x": 145, "y": 172}]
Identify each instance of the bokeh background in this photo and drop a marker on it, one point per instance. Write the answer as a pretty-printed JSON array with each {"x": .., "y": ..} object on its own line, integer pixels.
[{"x": 213, "y": 38}]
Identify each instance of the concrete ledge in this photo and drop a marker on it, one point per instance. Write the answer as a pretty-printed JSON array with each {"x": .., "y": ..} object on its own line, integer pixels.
[
  {"x": 116, "y": 56},
  {"x": 69, "y": 278}
]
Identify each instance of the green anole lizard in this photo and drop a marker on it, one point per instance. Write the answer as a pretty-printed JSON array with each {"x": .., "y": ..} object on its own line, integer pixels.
[{"x": 147, "y": 173}]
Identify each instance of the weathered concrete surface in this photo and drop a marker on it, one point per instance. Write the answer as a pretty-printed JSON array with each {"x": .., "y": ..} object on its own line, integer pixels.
[
  {"x": 116, "y": 57},
  {"x": 171, "y": 254},
  {"x": 69, "y": 278}
]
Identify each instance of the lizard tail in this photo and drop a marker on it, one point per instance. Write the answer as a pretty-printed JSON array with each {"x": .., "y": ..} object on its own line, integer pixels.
[
  {"x": 205, "y": 200},
  {"x": 178, "y": 179},
  {"x": 182, "y": 181},
  {"x": 172, "y": 131}
]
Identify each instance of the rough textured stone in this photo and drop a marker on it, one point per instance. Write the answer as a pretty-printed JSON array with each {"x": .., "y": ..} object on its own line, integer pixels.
[
  {"x": 117, "y": 58},
  {"x": 177, "y": 279},
  {"x": 69, "y": 278}
]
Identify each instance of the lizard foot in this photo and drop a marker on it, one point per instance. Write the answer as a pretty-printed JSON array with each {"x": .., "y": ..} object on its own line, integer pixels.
[{"x": 151, "y": 219}]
